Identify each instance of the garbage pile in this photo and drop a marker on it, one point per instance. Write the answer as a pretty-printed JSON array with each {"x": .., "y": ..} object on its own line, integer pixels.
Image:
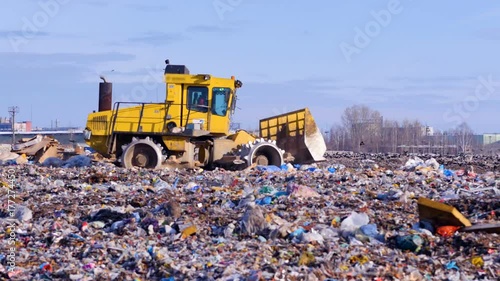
[
  {"x": 41, "y": 150},
  {"x": 481, "y": 162},
  {"x": 95, "y": 221}
]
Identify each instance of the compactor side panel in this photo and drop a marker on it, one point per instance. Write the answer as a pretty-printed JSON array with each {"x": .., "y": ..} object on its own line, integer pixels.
[
  {"x": 129, "y": 120},
  {"x": 297, "y": 133},
  {"x": 150, "y": 118},
  {"x": 98, "y": 123}
]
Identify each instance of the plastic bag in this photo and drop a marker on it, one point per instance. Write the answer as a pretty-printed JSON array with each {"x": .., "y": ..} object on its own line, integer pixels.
[
  {"x": 253, "y": 221},
  {"x": 270, "y": 168},
  {"x": 264, "y": 201},
  {"x": 409, "y": 242},
  {"x": 369, "y": 230},
  {"x": 447, "y": 231},
  {"x": 77, "y": 162},
  {"x": 301, "y": 191},
  {"x": 52, "y": 162},
  {"x": 354, "y": 221}
]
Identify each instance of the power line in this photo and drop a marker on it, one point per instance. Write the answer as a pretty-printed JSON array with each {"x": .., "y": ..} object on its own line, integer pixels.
[{"x": 13, "y": 110}]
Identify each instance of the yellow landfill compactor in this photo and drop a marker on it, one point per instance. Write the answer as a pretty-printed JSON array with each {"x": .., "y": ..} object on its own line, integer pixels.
[{"x": 191, "y": 128}]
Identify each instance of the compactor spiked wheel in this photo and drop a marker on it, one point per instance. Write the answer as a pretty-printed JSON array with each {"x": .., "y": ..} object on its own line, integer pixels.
[
  {"x": 262, "y": 152},
  {"x": 142, "y": 153}
]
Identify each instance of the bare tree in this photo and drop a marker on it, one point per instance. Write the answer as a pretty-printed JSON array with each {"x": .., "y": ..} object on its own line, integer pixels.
[
  {"x": 363, "y": 126},
  {"x": 375, "y": 133},
  {"x": 464, "y": 136},
  {"x": 412, "y": 133},
  {"x": 406, "y": 136},
  {"x": 350, "y": 120},
  {"x": 389, "y": 141},
  {"x": 417, "y": 129},
  {"x": 363, "y": 129},
  {"x": 449, "y": 142},
  {"x": 338, "y": 137},
  {"x": 438, "y": 142}
]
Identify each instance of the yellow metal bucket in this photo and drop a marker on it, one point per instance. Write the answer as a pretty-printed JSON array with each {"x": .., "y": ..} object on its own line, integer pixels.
[{"x": 297, "y": 133}]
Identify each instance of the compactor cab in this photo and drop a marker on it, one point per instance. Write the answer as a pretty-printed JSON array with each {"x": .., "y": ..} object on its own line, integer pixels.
[{"x": 191, "y": 128}]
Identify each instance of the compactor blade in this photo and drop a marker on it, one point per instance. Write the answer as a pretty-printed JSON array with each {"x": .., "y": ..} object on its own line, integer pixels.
[{"x": 297, "y": 133}]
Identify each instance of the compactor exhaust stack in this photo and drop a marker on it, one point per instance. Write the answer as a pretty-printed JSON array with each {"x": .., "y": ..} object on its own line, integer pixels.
[
  {"x": 105, "y": 95},
  {"x": 297, "y": 133}
]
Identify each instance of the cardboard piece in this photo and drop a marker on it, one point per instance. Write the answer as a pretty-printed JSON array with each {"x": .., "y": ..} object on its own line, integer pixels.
[
  {"x": 439, "y": 214},
  {"x": 50, "y": 152},
  {"x": 38, "y": 148}
]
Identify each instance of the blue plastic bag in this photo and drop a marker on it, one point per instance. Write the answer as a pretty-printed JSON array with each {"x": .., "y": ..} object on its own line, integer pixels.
[
  {"x": 270, "y": 168},
  {"x": 369, "y": 230},
  {"x": 281, "y": 193},
  {"x": 77, "y": 161},
  {"x": 452, "y": 265},
  {"x": 52, "y": 162},
  {"x": 297, "y": 232},
  {"x": 264, "y": 201}
]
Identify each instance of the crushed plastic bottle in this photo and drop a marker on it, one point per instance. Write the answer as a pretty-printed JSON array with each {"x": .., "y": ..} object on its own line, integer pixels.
[{"x": 192, "y": 187}]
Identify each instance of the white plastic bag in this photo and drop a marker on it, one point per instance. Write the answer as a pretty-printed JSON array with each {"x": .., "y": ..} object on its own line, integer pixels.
[{"x": 354, "y": 221}]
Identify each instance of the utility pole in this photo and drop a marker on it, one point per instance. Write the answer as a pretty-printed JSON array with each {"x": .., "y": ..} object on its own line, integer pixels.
[{"x": 13, "y": 110}]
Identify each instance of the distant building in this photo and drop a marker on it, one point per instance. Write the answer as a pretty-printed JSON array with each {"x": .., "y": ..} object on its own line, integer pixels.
[
  {"x": 491, "y": 138},
  {"x": 6, "y": 125},
  {"x": 477, "y": 140},
  {"x": 23, "y": 126},
  {"x": 427, "y": 131}
]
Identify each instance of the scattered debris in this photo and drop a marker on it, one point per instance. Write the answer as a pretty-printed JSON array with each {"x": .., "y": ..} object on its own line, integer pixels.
[
  {"x": 47, "y": 151},
  {"x": 351, "y": 220},
  {"x": 38, "y": 148}
]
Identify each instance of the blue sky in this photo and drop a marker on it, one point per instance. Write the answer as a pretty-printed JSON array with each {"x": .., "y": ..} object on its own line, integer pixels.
[{"x": 433, "y": 61}]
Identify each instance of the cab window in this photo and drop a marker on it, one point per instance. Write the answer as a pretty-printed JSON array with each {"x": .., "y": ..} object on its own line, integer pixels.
[
  {"x": 220, "y": 97},
  {"x": 198, "y": 98}
]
